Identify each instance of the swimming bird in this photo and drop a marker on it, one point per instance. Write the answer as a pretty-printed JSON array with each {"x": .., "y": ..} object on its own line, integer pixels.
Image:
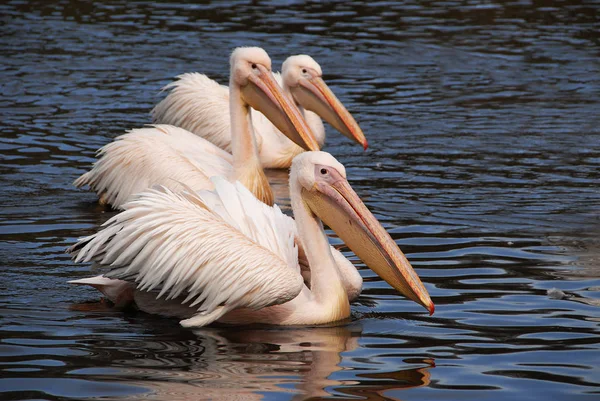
[
  {"x": 174, "y": 157},
  {"x": 199, "y": 104},
  {"x": 225, "y": 256}
]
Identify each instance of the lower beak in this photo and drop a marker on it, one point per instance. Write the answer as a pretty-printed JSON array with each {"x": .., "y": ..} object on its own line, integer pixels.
[
  {"x": 338, "y": 206},
  {"x": 264, "y": 94},
  {"x": 314, "y": 95}
]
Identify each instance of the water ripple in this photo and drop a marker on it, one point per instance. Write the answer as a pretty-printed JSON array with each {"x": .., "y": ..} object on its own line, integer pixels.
[{"x": 483, "y": 165}]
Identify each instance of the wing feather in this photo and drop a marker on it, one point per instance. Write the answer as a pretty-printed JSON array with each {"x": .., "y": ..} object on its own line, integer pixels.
[
  {"x": 201, "y": 105},
  {"x": 198, "y": 104},
  {"x": 266, "y": 225},
  {"x": 158, "y": 155},
  {"x": 216, "y": 257}
]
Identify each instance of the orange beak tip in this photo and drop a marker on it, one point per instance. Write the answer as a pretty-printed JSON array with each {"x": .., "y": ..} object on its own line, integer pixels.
[
  {"x": 365, "y": 145},
  {"x": 431, "y": 309}
]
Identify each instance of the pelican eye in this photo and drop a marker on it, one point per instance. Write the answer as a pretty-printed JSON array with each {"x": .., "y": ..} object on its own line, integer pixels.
[
  {"x": 304, "y": 70},
  {"x": 254, "y": 66},
  {"x": 324, "y": 171}
]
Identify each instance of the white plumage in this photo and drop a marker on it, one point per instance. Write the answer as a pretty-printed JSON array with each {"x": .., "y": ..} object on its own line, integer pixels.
[
  {"x": 201, "y": 105},
  {"x": 224, "y": 255},
  {"x": 159, "y": 155},
  {"x": 173, "y": 157},
  {"x": 216, "y": 256}
]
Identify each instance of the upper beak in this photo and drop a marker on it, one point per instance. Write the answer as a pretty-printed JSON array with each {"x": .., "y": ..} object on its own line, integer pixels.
[
  {"x": 264, "y": 94},
  {"x": 336, "y": 204},
  {"x": 314, "y": 95}
]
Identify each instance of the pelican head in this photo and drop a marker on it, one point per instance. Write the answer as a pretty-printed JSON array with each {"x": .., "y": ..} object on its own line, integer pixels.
[
  {"x": 303, "y": 76},
  {"x": 251, "y": 72},
  {"x": 329, "y": 196}
]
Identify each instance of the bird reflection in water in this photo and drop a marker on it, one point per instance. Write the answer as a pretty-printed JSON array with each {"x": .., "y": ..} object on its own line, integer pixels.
[{"x": 225, "y": 363}]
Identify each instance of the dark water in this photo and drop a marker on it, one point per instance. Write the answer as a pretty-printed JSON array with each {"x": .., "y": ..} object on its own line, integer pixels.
[{"x": 484, "y": 125}]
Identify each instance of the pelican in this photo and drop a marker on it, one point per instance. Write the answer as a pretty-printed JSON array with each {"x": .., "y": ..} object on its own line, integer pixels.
[
  {"x": 225, "y": 256},
  {"x": 174, "y": 157},
  {"x": 199, "y": 104}
]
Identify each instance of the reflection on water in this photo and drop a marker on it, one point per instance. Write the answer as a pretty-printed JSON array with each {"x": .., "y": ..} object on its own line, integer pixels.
[
  {"x": 484, "y": 164},
  {"x": 150, "y": 357},
  {"x": 294, "y": 361}
]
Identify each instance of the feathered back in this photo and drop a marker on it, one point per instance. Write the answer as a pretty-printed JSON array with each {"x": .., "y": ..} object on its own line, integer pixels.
[
  {"x": 214, "y": 248},
  {"x": 266, "y": 225},
  {"x": 158, "y": 155},
  {"x": 198, "y": 104}
]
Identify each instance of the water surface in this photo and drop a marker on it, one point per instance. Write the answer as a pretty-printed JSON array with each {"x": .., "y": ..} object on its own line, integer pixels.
[{"x": 484, "y": 164}]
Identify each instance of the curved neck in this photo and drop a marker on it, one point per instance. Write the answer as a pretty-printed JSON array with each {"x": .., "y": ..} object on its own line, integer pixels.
[
  {"x": 243, "y": 144},
  {"x": 325, "y": 283},
  {"x": 247, "y": 168}
]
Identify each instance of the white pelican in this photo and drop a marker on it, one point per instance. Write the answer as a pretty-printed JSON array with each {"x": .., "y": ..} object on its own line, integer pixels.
[
  {"x": 225, "y": 256},
  {"x": 199, "y": 104},
  {"x": 175, "y": 158}
]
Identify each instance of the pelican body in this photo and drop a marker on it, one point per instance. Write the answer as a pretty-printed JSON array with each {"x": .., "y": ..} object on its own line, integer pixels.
[
  {"x": 175, "y": 158},
  {"x": 199, "y": 104},
  {"x": 225, "y": 256}
]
